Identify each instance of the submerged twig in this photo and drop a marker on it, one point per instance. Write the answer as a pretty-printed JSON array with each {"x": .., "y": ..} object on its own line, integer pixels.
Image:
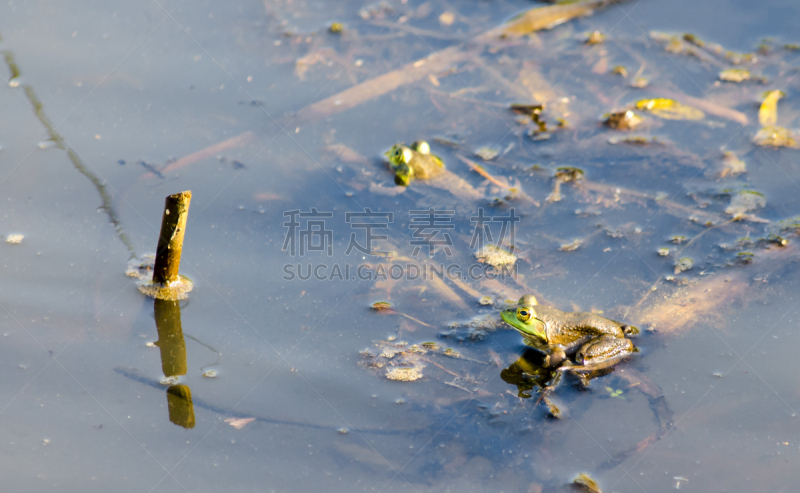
[
  {"x": 60, "y": 143},
  {"x": 526, "y": 23}
]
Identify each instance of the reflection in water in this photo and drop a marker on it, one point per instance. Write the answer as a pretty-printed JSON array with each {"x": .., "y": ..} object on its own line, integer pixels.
[
  {"x": 170, "y": 337},
  {"x": 173, "y": 360},
  {"x": 179, "y": 401},
  {"x": 527, "y": 372}
]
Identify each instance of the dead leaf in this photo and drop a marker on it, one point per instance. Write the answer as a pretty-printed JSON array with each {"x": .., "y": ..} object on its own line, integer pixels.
[{"x": 239, "y": 423}]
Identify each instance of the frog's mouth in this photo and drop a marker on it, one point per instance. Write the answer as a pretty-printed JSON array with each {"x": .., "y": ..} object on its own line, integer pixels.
[{"x": 533, "y": 327}]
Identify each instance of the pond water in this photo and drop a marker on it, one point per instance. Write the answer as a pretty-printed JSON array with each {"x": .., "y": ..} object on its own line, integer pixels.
[{"x": 111, "y": 106}]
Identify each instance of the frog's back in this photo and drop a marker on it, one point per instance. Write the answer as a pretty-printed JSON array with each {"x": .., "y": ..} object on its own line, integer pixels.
[
  {"x": 426, "y": 165},
  {"x": 560, "y": 324}
]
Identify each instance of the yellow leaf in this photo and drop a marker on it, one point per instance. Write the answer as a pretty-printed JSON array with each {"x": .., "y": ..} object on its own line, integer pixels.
[
  {"x": 768, "y": 113},
  {"x": 670, "y": 109}
]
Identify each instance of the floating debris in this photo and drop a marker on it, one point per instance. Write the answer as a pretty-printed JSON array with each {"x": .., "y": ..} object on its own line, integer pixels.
[
  {"x": 669, "y": 109},
  {"x": 775, "y": 137},
  {"x": 14, "y": 239},
  {"x": 495, "y": 256},
  {"x": 568, "y": 173},
  {"x": 534, "y": 113},
  {"x": 663, "y": 251},
  {"x": 141, "y": 268},
  {"x": 381, "y": 306},
  {"x": 595, "y": 38},
  {"x": 555, "y": 407},
  {"x": 570, "y": 247},
  {"x": 403, "y": 374},
  {"x": 734, "y": 75},
  {"x": 378, "y": 10},
  {"x": 390, "y": 352},
  {"x": 693, "y": 39},
  {"x": 336, "y": 28},
  {"x": 745, "y": 201},
  {"x": 683, "y": 264},
  {"x": 640, "y": 82},
  {"x": 486, "y": 300},
  {"x": 171, "y": 380},
  {"x": 447, "y": 18},
  {"x": 487, "y": 153},
  {"x": 239, "y": 423},
  {"x": 620, "y": 70},
  {"x": 732, "y": 165},
  {"x": 587, "y": 482},
  {"x": 210, "y": 374},
  {"x": 623, "y": 120},
  {"x": 636, "y": 140}
]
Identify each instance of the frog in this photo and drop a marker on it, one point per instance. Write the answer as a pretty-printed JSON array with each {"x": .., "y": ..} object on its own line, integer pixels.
[
  {"x": 595, "y": 341},
  {"x": 413, "y": 162}
]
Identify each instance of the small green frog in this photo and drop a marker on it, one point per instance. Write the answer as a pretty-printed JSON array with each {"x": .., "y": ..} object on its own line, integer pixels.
[
  {"x": 597, "y": 342},
  {"x": 414, "y": 162}
]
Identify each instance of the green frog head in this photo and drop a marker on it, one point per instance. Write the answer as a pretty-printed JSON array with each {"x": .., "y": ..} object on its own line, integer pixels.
[
  {"x": 399, "y": 158},
  {"x": 399, "y": 154},
  {"x": 523, "y": 318}
]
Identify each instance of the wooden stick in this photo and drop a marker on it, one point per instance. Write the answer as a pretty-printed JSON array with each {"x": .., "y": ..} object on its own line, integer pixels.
[{"x": 170, "y": 242}]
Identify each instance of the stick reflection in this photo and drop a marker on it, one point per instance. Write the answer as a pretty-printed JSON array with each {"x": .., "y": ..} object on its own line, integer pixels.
[{"x": 173, "y": 361}]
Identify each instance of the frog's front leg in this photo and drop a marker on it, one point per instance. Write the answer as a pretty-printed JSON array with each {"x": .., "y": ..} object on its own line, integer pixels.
[{"x": 554, "y": 356}]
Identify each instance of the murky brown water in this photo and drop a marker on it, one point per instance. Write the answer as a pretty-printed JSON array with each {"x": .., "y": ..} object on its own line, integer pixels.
[{"x": 708, "y": 404}]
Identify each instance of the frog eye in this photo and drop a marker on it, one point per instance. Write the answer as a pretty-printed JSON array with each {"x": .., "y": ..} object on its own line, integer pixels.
[
  {"x": 523, "y": 314},
  {"x": 397, "y": 152}
]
